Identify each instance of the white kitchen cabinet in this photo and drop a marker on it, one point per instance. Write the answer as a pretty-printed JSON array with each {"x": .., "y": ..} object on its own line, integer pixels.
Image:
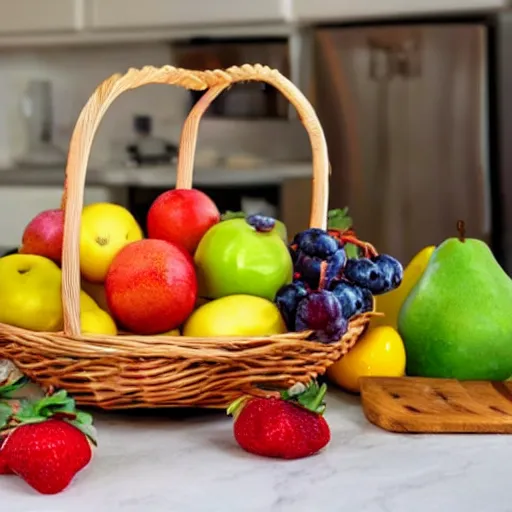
[
  {"x": 339, "y": 10},
  {"x": 36, "y": 16},
  {"x": 122, "y": 14},
  {"x": 19, "y": 204}
]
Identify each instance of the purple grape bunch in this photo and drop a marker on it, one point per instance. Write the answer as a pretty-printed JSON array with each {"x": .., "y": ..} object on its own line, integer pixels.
[{"x": 329, "y": 289}]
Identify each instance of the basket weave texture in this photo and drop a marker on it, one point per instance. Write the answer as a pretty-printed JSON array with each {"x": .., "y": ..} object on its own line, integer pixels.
[{"x": 129, "y": 371}]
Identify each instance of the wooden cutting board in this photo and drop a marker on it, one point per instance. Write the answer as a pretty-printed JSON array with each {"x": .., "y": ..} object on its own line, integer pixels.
[{"x": 420, "y": 405}]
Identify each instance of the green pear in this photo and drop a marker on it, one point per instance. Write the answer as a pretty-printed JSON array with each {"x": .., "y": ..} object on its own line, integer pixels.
[{"x": 457, "y": 320}]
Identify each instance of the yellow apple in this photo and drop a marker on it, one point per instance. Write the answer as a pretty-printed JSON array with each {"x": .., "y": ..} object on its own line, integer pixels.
[
  {"x": 106, "y": 229},
  {"x": 30, "y": 292},
  {"x": 97, "y": 321},
  {"x": 30, "y": 297}
]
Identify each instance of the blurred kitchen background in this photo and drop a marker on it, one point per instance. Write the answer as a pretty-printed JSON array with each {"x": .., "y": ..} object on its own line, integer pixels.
[{"x": 414, "y": 97}]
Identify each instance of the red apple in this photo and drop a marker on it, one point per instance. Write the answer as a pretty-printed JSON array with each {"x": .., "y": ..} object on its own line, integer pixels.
[
  {"x": 151, "y": 286},
  {"x": 43, "y": 235},
  {"x": 182, "y": 217}
]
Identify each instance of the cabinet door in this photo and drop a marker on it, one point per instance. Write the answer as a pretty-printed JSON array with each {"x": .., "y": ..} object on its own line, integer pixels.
[
  {"x": 336, "y": 10},
  {"x": 105, "y": 14},
  {"x": 30, "y": 16}
]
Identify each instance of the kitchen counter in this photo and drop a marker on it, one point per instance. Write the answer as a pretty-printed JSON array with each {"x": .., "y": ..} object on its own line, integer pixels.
[
  {"x": 190, "y": 463},
  {"x": 162, "y": 176}
]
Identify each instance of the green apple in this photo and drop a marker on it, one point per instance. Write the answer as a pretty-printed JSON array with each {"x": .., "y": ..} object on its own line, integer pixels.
[
  {"x": 280, "y": 226},
  {"x": 234, "y": 258},
  {"x": 281, "y": 230}
]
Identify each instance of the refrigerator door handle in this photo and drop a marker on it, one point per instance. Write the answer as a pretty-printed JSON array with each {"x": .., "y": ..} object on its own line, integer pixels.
[{"x": 391, "y": 57}]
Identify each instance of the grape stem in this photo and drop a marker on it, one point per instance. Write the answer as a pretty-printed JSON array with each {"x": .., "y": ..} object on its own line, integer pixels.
[
  {"x": 349, "y": 237},
  {"x": 323, "y": 270},
  {"x": 337, "y": 233}
]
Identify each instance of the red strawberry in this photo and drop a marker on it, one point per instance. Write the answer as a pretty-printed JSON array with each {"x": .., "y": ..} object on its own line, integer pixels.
[
  {"x": 45, "y": 441},
  {"x": 289, "y": 427},
  {"x": 46, "y": 455},
  {"x": 4, "y": 468}
]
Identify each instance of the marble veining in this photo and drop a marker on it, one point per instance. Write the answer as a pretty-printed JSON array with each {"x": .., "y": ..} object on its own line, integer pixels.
[{"x": 189, "y": 462}]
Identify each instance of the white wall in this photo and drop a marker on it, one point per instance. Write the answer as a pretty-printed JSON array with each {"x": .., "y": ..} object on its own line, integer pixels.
[{"x": 75, "y": 73}]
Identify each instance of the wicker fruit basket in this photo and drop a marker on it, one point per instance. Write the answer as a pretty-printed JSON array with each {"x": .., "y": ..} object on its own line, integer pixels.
[{"x": 121, "y": 372}]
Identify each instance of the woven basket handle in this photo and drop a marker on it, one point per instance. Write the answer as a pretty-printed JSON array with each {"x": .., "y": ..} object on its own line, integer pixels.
[{"x": 215, "y": 80}]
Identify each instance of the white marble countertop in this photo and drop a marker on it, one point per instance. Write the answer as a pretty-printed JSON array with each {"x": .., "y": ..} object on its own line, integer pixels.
[{"x": 176, "y": 463}]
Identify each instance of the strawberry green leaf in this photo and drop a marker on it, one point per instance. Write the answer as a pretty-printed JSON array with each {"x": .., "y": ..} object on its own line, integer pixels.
[
  {"x": 33, "y": 411},
  {"x": 310, "y": 397},
  {"x": 58, "y": 405},
  {"x": 235, "y": 408},
  {"x": 6, "y": 390},
  {"x": 5, "y": 415},
  {"x": 87, "y": 429},
  {"x": 84, "y": 417},
  {"x": 59, "y": 401},
  {"x": 26, "y": 412}
]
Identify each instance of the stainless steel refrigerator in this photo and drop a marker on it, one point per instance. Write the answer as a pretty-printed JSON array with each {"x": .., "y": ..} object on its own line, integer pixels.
[{"x": 406, "y": 114}]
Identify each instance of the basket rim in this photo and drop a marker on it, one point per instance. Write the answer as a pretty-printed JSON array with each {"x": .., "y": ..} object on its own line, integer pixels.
[{"x": 92, "y": 346}]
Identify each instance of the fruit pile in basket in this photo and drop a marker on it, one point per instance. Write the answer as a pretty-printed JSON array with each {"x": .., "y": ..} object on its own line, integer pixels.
[{"x": 197, "y": 274}]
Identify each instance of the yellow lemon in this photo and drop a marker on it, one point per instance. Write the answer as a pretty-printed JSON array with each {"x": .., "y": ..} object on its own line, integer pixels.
[
  {"x": 235, "y": 315},
  {"x": 105, "y": 229},
  {"x": 97, "y": 321},
  {"x": 390, "y": 303},
  {"x": 173, "y": 332},
  {"x": 379, "y": 353},
  {"x": 97, "y": 292},
  {"x": 87, "y": 303}
]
